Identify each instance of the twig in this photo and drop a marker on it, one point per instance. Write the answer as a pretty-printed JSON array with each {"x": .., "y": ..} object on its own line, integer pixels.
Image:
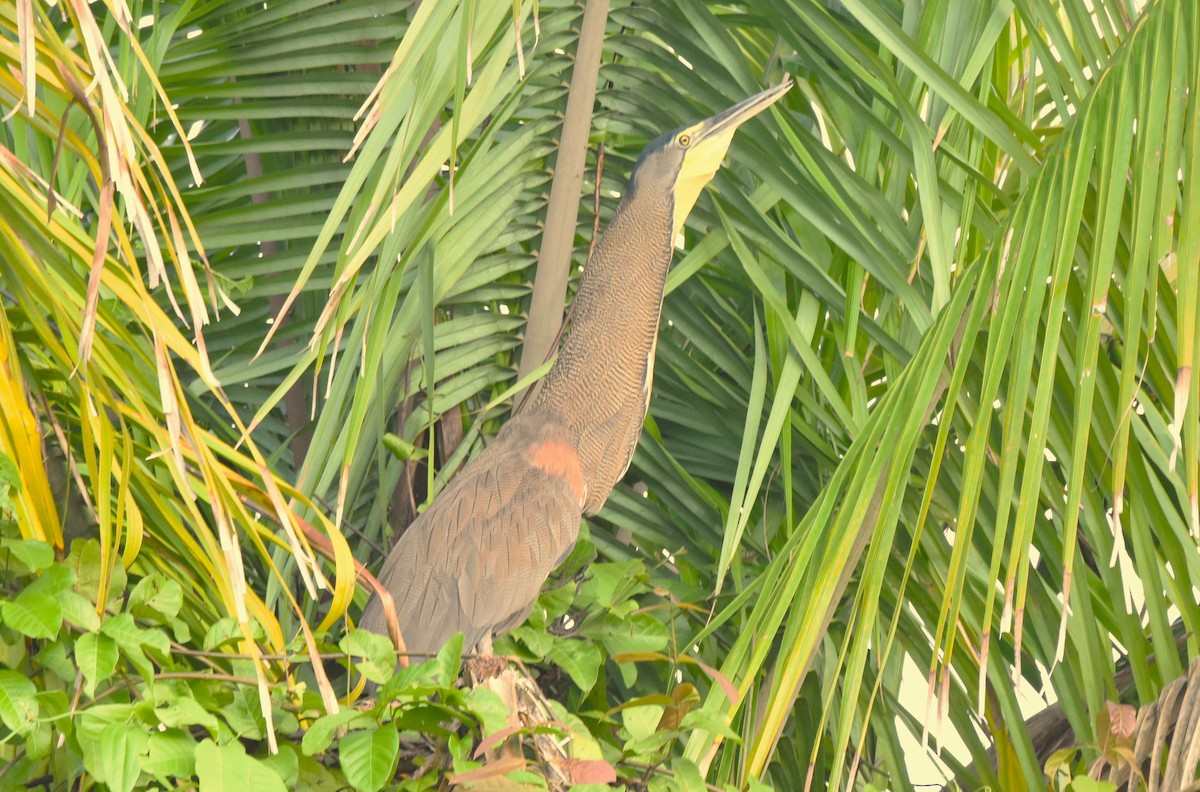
[
  {"x": 295, "y": 656},
  {"x": 18, "y": 756}
]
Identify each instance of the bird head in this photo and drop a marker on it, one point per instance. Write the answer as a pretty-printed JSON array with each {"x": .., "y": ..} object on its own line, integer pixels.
[{"x": 683, "y": 161}]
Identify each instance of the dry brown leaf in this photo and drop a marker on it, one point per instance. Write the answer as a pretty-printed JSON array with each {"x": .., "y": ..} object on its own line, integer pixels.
[{"x": 587, "y": 771}]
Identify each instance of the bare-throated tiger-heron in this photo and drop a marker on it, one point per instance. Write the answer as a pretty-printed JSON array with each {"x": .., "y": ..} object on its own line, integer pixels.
[{"x": 476, "y": 559}]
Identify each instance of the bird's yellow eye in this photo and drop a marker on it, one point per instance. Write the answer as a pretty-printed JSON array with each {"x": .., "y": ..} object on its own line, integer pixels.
[{"x": 684, "y": 140}]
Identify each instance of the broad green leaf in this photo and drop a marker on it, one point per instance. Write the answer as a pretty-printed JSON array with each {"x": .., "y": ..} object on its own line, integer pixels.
[
  {"x": 1086, "y": 784},
  {"x": 641, "y": 722},
  {"x": 119, "y": 755},
  {"x": 580, "y": 659},
  {"x": 170, "y": 754},
  {"x": 186, "y": 711},
  {"x": 687, "y": 775},
  {"x": 36, "y": 555},
  {"x": 132, "y": 640},
  {"x": 449, "y": 660},
  {"x": 244, "y": 715},
  {"x": 96, "y": 656},
  {"x": 405, "y": 679},
  {"x": 55, "y": 658},
  {"x": 224, "y": 767},
  {"x": 39, "y": 741},
  {"x": 85, "y": 562},
  {"x": 609, "y": 584},
  {"x": 638, "y": 632},
  {"x": 221, "y": 632},
  {"x": 368, "y": 758},
  {"x": 378, "y": 656},
  {"x": 55, "y": 580},
  {"x": 96, "y": 718},
  {"x": 491, "y": 710},
  {"x": 34, "y": 615},
  {"x": 18, "y": 707},
  {"x": 320, "y": 733},
  {"x": 78, "y": 611},
  {"x": 156, "y": 597},
  {"x": 286, "y": 764}
]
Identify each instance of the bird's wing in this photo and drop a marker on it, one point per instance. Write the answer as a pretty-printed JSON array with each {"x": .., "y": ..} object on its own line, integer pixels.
[{"x": 478, "y": 556}]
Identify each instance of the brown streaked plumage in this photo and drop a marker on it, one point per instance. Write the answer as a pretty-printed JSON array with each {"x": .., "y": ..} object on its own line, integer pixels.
[{"x": 476, "y": 559}]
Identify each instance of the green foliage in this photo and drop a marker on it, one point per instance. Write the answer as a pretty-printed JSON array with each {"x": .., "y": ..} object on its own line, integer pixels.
[
  {"x": 226, "y": 767},
  {"x": 99, "y": 691},
  {"x": 133, "y": 708},
  {"x": 369, "y": 757}
]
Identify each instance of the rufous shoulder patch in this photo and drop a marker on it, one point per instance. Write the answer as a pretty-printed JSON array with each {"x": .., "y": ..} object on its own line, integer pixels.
[{"x": 559, "y": 459}]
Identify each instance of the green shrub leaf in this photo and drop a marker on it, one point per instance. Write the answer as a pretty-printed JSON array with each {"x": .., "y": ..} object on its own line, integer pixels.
[
  {"x": 96, "y": 718},
  {"x": 85, "y": 562},
  {"x": 56, "y": 579},
  {"x": 131, "y": 640},
  {"x": 639, "y": 632},
  {"x": 34, "y": 615},
  {"x": 121, "y": 748},
  {"x": 18, "y": 707},
  {"x": 610, "y": 584},
  {"x": 226, "y": 630},
  {"x": 375, "y": 655},
  {"x": 33, "y": 553},
  {"x": 53, "y": 657},
  {"x": 580, "y": 659},
  {"x": 227, "y": 768},
  {"x": 170, "y": 754},
  {"x": 78, "y": 610},
  {"x": 96, "y": 656},
  {"x": 488, "y": 707},
  {"x": 185, "y": 711},
  {"x": 369, "y": 758},
  {"x": 641, "y": 721},
  {"x": 320, "y": 733},
  {"x": 286, "y": 764},
  {"x": 410, "y": 678},
  {"x": 156, "y": 598},
  {"x": 449, "y": 660},
  {"x": 244, "y": 715}
]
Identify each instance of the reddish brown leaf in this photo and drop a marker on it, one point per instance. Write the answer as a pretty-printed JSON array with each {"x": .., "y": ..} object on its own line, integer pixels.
[
  {"x": 489, "y": 742},
  {"x": 588, "y": 771},
  {"x": 731, "y": 691},
  {"x": 683, "y": 698},
  {"x": 1122, "y": 719},
  {"x": 1115, "y": 726},
  {"x": 494, "y": 739}
]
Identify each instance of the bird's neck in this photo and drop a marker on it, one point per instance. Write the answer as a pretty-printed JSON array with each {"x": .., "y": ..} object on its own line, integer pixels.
[{"x": 600, "y": 383}]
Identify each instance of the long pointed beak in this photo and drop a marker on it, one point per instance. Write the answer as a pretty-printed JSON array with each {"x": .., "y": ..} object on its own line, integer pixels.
[
  {"x": 728, "y": 120},
  {"x": 711, "y": 139}
]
